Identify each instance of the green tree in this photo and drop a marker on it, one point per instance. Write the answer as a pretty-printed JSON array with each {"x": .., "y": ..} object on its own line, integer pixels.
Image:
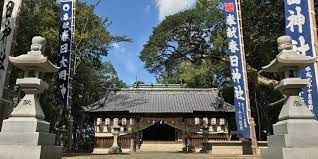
[
  {"x": 190, "y": 46},
  {"x": 92, "y": 43}
]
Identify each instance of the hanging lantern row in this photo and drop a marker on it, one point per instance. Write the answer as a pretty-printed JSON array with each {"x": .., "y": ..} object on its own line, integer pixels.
[
  {"x": 205, "y": 120},
  {"x": 115, "y": 121}
]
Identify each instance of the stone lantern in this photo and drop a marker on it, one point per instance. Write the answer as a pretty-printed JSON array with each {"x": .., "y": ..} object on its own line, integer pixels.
[
  {"x": 205, "y": 133},
  {"x": 25, "y": 134},
  {"x": 295, "y": 134},
  {"x": 115, "y": 149}
]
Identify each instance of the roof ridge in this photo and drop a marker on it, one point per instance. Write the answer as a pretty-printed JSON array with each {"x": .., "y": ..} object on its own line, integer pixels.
[{"x": 168, "y": 89}]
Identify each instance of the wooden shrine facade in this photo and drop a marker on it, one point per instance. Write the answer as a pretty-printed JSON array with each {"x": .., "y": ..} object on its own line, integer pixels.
[{"x": 170, "y": 114}]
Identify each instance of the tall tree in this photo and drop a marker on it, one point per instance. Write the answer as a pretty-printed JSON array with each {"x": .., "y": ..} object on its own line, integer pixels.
[
  {"x": 92, "y": 43},
  {"x": 190, "y": 46}
]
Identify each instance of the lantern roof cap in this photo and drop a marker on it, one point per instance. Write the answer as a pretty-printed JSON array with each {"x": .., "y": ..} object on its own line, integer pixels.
[
  {"x": 34, "y": 60},
  {"x": 288, "y": 59}
]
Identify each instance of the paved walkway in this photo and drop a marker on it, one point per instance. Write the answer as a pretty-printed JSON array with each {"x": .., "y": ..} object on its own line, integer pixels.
[{"x": 160, "y": 155}]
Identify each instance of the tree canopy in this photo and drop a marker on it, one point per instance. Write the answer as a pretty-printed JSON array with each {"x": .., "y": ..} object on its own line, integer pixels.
[
  {"x": 93, "y": 76},
  {"x": 190, "y": 47}
]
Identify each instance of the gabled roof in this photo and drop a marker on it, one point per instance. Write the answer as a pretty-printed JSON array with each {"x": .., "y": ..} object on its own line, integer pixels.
[{"x": 161, "y": 100}]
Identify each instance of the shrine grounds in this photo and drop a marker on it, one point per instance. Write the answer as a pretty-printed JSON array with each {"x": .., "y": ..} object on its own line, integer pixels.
[{"x": 160, "y": 155}]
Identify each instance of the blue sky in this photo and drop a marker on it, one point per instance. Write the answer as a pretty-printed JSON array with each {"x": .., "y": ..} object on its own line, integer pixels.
[{"x": 136, "y": 19}]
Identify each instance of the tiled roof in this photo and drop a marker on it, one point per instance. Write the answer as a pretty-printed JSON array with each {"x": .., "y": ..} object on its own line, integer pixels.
[{"x": 163, "y": 100}]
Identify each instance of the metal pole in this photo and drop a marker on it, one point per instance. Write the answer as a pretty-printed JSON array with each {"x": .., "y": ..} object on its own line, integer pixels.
[
  {"x": 71, "y": 73},
  {"x": 258, "y": 115},
  {"x": 314, "y": 30},
  {"x": 249, "y": 115}
]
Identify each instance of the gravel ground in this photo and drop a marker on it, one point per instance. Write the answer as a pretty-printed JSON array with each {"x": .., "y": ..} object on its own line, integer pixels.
[{"x": 159, "y": 155}]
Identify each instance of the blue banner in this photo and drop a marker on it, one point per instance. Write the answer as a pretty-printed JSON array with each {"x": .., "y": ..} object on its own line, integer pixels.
[
  {"x": 238, "y": 68},
  {"x": 65, "y": 45},
  {"x": 298, "y": 26}
]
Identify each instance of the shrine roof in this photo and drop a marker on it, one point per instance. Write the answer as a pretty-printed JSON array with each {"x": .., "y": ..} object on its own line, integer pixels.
[{"x": 160, "y": 100}]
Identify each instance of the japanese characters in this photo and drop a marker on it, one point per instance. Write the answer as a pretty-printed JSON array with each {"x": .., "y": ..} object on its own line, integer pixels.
[
  {"x": 298, "y": 27},
  {"x": 11, "y": 9},
  {"x": 65, "y": 49},
  {"x": 238, "y": 73}
]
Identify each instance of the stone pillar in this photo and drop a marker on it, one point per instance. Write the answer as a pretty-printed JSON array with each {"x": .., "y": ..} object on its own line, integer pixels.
[
  {"x": 295, "y": 133},
  {"x": 138, "y": 145},
  {"x": 184, "y": 142},
  {"x": 191, "y": 148},
  {"x": 133, "y": 143},
  {"x": 115, "y": 149},
  {"x": 25, "y": 135},
  {"x": 205, "y": 143}
]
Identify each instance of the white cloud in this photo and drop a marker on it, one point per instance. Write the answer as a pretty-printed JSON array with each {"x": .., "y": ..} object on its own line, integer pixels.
[
  {"x": 115, "y": 45},
  {"x": 169, "y": 7},
  {"x": 119, "y": 47}
]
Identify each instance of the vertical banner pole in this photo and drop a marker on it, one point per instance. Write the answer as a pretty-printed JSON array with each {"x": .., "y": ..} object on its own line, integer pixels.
[
  {"x": 244, "y": 121},
  {"x": 71, "y": 73},
  {"x": 314, "y": 37},
  {"x": 67, "y": 28},
  {"x": 299, "y": 25},
  {"x": 313, "y": 27},
  {"x": 249, "y": 112}
]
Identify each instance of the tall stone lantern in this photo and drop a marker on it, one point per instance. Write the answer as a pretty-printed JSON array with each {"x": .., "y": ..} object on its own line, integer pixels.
[
  {"x": 295, "y": 134},
  {"x": 25, "y": 135},
  {"x": 115, "y": 149}
]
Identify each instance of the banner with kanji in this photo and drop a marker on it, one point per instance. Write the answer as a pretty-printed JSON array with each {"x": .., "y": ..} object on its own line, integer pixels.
[
  {"x": 65, "y": 45},
  {"x": 298, "y": 25},
  {"x": 238, "y": 68},
  {"x": 11, "y": 9}
]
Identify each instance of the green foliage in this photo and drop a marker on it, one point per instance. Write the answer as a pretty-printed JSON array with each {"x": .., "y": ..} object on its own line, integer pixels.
[
  {"x": 186, "y": 36},
  {"x": 196, "y": 75},
  {"x": 138, "y": 82},
  {"x": 93, "y": 76},
  {"x": 263, "y": 23},
  {"x": 190, "y": 47},
  {"x": 91, "y": 34}
]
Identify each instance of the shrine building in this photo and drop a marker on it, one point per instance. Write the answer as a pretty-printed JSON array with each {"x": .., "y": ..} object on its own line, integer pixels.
[{"x": 167, "y": 113}]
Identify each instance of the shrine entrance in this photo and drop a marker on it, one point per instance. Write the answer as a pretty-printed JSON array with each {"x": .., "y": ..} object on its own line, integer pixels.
[{"x": 159, "y": 132}]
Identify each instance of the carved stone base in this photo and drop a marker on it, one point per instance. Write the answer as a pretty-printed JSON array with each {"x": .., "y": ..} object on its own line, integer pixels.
[
  {"x": 300, "y": 140},
  {"x": 115, "y": 150},
  {"x": 290, "y": 153},
  {"x": 27, "y": 138},
  {"x": 25, "y": 124},
  {"x": 30, "y": 152}
]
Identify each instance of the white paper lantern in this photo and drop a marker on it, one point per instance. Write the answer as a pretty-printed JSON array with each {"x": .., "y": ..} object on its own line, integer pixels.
[
  {"x": 205, "y": 120},
  {"x": 124, "y": 121},
  {"x": 222, "y": 121},
  {"x": 211, "y": 129},
  {"x": 131, "y": 121},
  {"x": 99, "y": 121},
  {"x": 107, "y": 121},
  {"x": 115, "y": 121},
  {"x": 105, "y": 130},
  {"x": 122, "y": 129},
  {"x": 219, "y": 129},
  {"x": 213, "y": 121},
  {"x": 196, "y": 121}
]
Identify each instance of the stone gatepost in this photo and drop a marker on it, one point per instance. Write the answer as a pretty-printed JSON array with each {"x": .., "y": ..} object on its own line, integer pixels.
[
  {"x": 295, "y": 134},
  {"x": 25, "y": 135}
]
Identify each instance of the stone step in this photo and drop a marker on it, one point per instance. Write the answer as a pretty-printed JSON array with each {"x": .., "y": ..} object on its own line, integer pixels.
[{"x": 161, "y": 147}]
